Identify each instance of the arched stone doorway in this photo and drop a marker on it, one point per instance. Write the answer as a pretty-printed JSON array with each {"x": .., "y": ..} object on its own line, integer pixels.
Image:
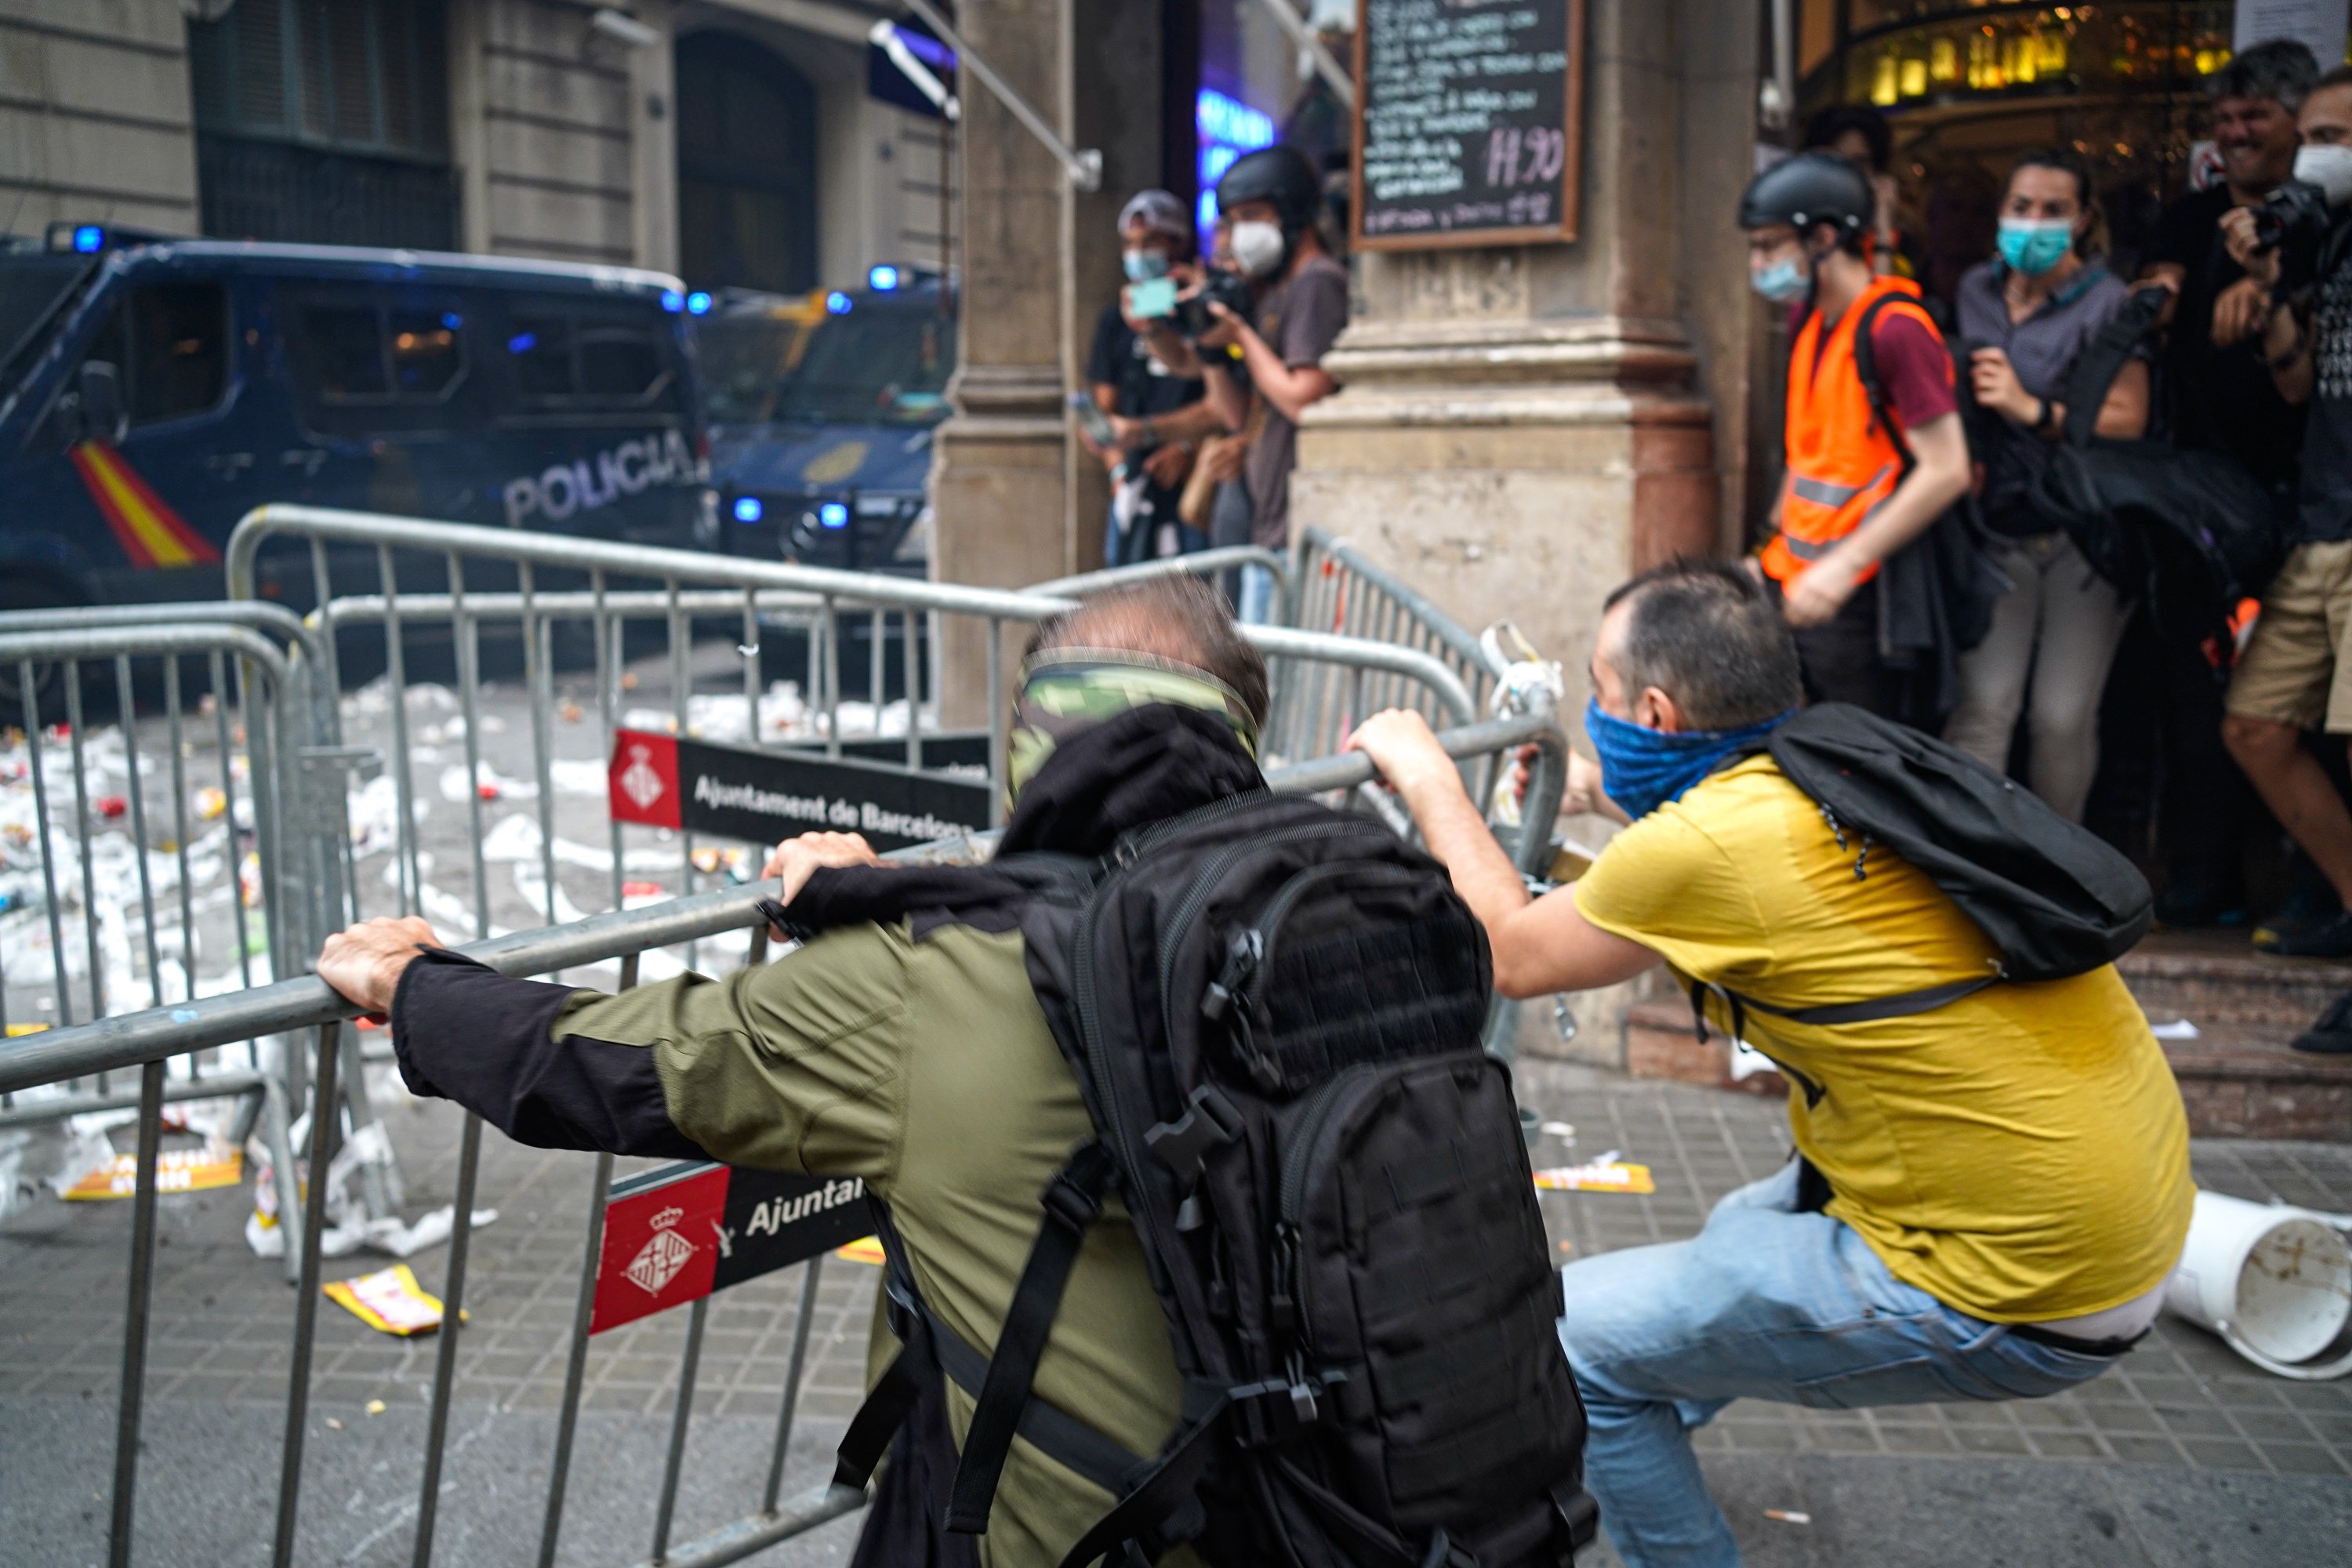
[{"x": 746, "y": 158}]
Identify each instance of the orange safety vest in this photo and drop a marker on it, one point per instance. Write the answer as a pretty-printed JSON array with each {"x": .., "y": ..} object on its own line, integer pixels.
[{"x": 1844, "y": 462}]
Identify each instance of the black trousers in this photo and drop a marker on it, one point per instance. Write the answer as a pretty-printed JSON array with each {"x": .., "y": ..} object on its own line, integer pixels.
[{"x": 1840, "y": 658}]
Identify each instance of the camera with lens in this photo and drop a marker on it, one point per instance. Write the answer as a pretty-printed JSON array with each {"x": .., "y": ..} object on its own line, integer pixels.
[
  {"x": 1192, "y": 317},
  {"x": 2293, "y": 220}
]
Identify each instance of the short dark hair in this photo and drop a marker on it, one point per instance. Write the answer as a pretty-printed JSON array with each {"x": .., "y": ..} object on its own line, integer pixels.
[
  {"x": 2284, "y": 70},
  {"x": 2340, "y": 76},
  {"x": 1825, "y": 128},
  {"x": 1178, "y": 617},
  {"x": 1708, "y": 635}
]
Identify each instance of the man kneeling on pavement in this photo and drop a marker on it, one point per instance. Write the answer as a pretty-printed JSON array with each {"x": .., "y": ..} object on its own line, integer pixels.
[{"x": 2007, "y": 1176}]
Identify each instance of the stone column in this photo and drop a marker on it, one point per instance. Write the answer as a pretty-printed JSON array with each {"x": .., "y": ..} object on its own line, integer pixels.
[
  {"x": 1015, "y": 497},
  {"x": 1520, "y": 426}
]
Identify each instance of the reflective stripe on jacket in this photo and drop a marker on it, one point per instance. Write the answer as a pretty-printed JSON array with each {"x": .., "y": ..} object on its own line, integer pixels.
[{"x": 1842, "y": 462}]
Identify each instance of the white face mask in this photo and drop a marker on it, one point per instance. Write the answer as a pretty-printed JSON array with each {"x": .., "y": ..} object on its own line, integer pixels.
[
  {"x": 1258, "y": 248},
  {"x": 2329, "y": 166}
]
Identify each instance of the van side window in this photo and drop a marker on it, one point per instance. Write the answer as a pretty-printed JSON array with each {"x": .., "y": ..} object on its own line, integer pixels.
[
  {"x": 619, "y": 363},
  {"x": 348, "y": 351},
  {"x": 367, "y": 366},
  {"x": 168, "y": 344},
  {"x": 178, "y": 344},
  {"x": 588, "y": 359},
  {"x": 542, "y": 346},
  {"x": 427, "y": 354}
]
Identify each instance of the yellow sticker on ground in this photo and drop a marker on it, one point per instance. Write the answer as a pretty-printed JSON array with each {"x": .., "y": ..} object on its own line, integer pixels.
[
  {"x": 1613, "y": 1177},
  {"x": 176, "y": 1171},
  {"x": 389, "y": 1301},
  {"x": 865, "y": 1249}
]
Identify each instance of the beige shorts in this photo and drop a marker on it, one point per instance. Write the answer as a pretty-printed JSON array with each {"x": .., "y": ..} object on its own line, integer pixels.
[{"x": 2297, "y": 667}]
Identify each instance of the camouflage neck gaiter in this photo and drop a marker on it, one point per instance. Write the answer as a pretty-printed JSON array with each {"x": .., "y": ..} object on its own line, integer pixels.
[{"x": 1066, "y": 689}]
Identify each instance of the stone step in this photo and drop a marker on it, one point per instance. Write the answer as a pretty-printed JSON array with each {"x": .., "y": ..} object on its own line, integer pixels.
[
  {"x": 2236, "y": 1081},
  {"x": 2215, "y": 980}
]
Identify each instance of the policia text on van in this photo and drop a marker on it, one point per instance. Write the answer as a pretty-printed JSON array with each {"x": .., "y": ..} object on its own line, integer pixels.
[{"x": 153, "y": 391}]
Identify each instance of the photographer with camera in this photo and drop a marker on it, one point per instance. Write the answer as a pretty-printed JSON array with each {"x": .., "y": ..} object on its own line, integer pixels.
[
  {"x": 2217, "y": 398},
  {"x": 1298, "y": 295},
  {"x": 2295, "y": 675},
  {"x": 1159, "y": 413}
]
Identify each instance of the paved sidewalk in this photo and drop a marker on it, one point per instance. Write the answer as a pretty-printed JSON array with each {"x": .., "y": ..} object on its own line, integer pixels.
[{"x": 2183, "y": 1455}]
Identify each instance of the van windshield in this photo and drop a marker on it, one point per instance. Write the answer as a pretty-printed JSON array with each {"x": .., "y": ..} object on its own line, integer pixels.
[
  {"x": 872, "y": 367},
  {"x": 745, "y": 358},
  {"x": 30, "y": 286}
]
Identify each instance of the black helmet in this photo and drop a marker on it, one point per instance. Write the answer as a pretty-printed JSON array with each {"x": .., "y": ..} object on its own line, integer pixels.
[
  {"x": 1278, "y": 175},
  {"x": 1807, "y": 189}
]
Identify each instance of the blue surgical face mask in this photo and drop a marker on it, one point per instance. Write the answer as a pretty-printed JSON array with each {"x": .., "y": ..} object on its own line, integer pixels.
[
  {"x": 1143, "y": 265},
  {"x": 1780, "y": 282},
  {"x": 1642, "y": 769},
  {"x": 2031, "y": 246}
]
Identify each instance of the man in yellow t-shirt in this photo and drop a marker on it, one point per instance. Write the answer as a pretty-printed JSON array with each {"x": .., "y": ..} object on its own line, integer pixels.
[{"x": 2007, "y": 1175}]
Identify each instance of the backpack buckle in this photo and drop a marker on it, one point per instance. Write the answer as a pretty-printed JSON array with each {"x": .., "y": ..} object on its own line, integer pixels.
[
  {"x": 1209, "y": 1121},
  {"x": 1066, "y": 1199}
]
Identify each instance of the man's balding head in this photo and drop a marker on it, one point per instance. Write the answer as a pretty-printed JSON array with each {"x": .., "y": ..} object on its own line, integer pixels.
[{"x": 1179, "y": 618}]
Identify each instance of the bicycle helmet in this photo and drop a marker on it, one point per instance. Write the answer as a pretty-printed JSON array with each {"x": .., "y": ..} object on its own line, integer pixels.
[
  {"x": 1807, "y": 189},
  {"x": 1278, "y": 175}
]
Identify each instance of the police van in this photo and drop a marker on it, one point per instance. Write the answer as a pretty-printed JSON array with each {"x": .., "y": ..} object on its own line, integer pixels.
[
  {"x": 154, "y": 390},
  {"x": 826, "y": 457}
]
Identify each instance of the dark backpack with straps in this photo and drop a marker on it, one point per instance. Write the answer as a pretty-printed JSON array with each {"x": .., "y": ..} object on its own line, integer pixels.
[
  {"x": 2189, "y": 533},
  {"x": 2052, "y": 898},
  {"x": 1937, "y": 594},
  {"x": 1273, "y": 1012}
]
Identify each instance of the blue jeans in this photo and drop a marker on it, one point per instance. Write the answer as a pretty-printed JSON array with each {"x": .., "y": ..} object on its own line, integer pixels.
[
  {"x": 1761, "y": 1304},
  {"x": 1258, "y": 596}
]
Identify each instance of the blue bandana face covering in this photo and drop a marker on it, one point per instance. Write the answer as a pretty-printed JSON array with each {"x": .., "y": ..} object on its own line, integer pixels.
[{"x": 1642, "y": 769}]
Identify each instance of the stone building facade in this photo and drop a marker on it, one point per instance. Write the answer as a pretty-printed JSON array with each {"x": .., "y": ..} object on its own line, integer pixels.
[{"x": 519, "y": 127}]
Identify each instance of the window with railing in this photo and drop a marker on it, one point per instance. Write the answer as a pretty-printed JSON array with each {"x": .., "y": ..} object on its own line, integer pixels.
[{"x": 325, "y": 120}]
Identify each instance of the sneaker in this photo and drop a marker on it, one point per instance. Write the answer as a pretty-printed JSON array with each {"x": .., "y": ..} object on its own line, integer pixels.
[
  {"x": 2329, "y": 937},
  {"x": 2186, "y": 906},
  {"x": 2331, "y": 1036},
  {"x": 2305, "y": 907}
]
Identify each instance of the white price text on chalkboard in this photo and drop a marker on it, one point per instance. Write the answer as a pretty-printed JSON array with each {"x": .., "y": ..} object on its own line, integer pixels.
[{"x": 1467, "y": 121}]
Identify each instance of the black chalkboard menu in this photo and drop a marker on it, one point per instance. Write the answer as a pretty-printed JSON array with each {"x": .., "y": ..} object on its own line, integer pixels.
[{"x": 1466, "y": 122}]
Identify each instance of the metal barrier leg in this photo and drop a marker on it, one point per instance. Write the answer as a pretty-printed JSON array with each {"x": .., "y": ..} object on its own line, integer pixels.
[
  {"x": 681, "y": 1413},
  {"x": 575, "y": 1366},
  {"x": 134, "y": 1320},
  {"x": 305, "y": 1304},
  {"x": 445, "y": 1354},
  {"x": 801, "y": 1323},
  {"x": 276, "y": 1129}
]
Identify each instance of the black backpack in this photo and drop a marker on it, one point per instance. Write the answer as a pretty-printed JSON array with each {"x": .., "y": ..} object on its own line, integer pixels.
[
  {"x": 2191, "y": 533},
  {"x": 1273, "y": 1012},
  {"x": 2052, "y": 898},
  {"x": 1937, "y": 594}
]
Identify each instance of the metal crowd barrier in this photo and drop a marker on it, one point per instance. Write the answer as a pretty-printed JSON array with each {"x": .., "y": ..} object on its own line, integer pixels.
[
  {"x": 147, "y": 1040},
  {"x": 112, "y": 883},
  {"x": 1334, "y": 590}
]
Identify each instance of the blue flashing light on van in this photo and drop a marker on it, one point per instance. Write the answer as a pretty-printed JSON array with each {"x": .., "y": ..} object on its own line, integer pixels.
[
  {"x": 153, "y": 391},
  {"x": 882, "y": 279}
]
